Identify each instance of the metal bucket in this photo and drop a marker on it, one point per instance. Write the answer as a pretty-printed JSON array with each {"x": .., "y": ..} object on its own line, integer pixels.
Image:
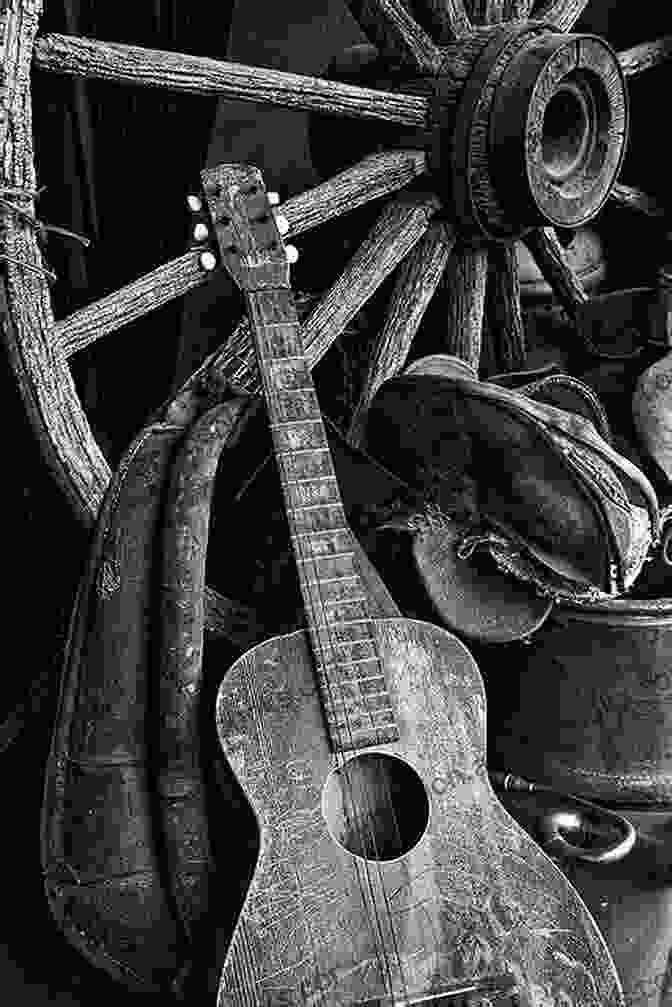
[{"x": 588, "y": 706}]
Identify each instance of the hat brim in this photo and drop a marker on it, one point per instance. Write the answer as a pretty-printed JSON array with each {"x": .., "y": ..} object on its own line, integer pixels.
[{"x": 472, "y": 596}]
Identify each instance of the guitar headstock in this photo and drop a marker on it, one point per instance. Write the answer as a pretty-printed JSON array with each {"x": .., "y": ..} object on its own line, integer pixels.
[{"x": 245, "y": 225}]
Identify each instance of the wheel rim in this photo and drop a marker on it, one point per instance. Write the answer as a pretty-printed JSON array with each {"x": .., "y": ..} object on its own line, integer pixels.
[{"x": 413, "y": 237}]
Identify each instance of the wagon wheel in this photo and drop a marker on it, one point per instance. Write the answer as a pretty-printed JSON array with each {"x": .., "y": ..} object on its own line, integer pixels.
[{"x": 486, "y": 126}]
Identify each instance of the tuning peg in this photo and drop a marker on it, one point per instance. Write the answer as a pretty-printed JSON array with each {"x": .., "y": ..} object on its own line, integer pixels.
[
  {"x": 273, "y": 198},
  {"x": 208, "y": 261},
  {"x": 292, "y": 253},
  {"x": 200, "y": 231},
  {"x": 282, "y": 223},
  {"x": 195, "y": 203}
]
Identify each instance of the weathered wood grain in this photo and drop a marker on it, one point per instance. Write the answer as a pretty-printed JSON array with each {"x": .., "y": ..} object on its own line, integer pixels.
[
  {"x": 146, "y": 294},
  {"x": 562, "y": 13},
  {"x": 463, "y": 293},
  {"x": 400, "y": 226},
  {"x": 418, "y": 278},
  {"x": 497, "y": 11},
  {"x": 645, "y": 55},
  {"x": 129, "y": 64},
  {"x": 371, "y": 178},
  {"x": 449, "y": 19},
  {"x": 392, "y": 29},
  {"x": 635, "y": 199},
  {"x": 550, "y": 257},
  {"x": 474, "y": 893},
  {"x": 41, "y": 371},
  {"x": 503, "y": 308}
]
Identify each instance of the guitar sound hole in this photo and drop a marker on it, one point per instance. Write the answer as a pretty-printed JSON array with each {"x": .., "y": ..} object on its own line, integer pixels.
[{"x": 375, "y": 806}]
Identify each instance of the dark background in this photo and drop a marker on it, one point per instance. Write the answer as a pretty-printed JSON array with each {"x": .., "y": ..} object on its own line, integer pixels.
[{"x": 117, "y": 163}]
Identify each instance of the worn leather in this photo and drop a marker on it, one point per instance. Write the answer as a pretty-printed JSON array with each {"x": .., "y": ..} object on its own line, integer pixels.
[
  {"x": 101, "y": 841},
  {"x": 548, "y": 485}
]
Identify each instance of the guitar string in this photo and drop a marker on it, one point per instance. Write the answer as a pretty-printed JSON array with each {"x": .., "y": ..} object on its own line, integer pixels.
[
  {"x": 368, "y": 817},
  {"x": 321, "y": 654}
]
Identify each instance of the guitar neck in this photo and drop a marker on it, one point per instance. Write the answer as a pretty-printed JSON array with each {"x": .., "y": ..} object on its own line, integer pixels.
[
  {"x": 351, "y": 679},
  {"x": 353, "y": 687}
]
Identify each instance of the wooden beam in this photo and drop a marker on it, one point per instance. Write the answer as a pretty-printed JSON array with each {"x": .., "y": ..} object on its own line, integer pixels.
[
  {"x": 550, "y": 257},
  {"x": 417, "y": 279},
  {"x": 400, "y": 226},
  {"x": 505, "y": 316},
  {"x": 562, "y": 13},
  {"x": 636, "y": 199},
  {"x": 392, "y": 29},
  {"x": 645, "y": 56},
  {"x": 131, "y": 64},
  {"x": 463, "y": 288}
]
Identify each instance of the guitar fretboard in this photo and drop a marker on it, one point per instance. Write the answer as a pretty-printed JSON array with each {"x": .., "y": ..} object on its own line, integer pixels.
[{"x": 351, "y": 680}]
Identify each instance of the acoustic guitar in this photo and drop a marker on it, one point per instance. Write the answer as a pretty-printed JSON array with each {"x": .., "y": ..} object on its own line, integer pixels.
[{"x": 388, "y": 872}]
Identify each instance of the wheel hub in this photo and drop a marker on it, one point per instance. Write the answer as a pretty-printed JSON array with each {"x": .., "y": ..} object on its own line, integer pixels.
[
  {"x": 532, "y": 133},
  {"x": 538, "y": 135}
]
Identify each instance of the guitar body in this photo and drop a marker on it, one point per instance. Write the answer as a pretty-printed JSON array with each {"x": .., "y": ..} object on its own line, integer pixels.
[{"x": 469, "y": 895}]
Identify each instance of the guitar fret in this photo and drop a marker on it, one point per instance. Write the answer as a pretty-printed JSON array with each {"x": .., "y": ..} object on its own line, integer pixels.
[
  {"x": 346, "y": 702},
  {"x": 360, "y": 660},
  {"x": 284, "y": 325},
  {"x": 309, "y": 479},
  {"x": 330, "y": 503},
  {"x": 334, "y": 580},
  {"x": 302, "y": 451},
  {"x": 325, "y": 556},
  {"x": 278, "y": 424},
  {"x": 345, "y": 601},
  {"x": 319, "y": 531}
]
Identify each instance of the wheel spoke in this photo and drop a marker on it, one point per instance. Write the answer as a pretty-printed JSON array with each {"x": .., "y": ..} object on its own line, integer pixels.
[
  {"x": 550, "y": 257},
  {"x": 390, "y": 26},
  {"x": 645, "y": 56},
  {"x": 418, "y": 277},
  {"x": 146, "y": 294},
  {"x": 503, "y": 309},
  {"x": 373, "y": 177},
  {"x": 463, "y": 289},
  {"x": 449, "y": 18},
  {"x": 496, "y": 11},
  {"x": 400, "y": 226},
  {"x": 562, "y": 13},
  {"x": 130, "y": 64},
  {"x": 635, "y": 199}
]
